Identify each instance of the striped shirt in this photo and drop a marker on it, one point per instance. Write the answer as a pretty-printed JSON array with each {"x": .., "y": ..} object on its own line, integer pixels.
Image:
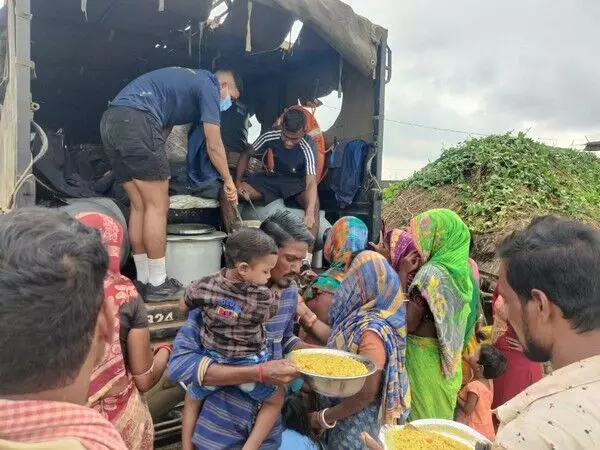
[
  {"x": 227, "y": 416},
  {"x": 299, "y": 160}
]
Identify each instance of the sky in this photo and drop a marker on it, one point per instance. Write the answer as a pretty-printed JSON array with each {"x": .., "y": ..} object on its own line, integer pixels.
[{"x": 484, "y": 67}]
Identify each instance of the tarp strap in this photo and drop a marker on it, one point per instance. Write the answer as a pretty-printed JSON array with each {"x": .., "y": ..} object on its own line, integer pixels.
[
  {"x": 340, "y": 69},
  {"x": 248, "y": 34},
  {"x": 201, "y": 27},
  {"x": 84, "y": 9},
  {"x": 25, "y": 62},
  {"x": 161, "y": 5}
]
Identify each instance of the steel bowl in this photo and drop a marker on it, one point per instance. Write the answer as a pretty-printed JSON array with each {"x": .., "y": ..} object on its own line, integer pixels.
[
  {"x": 338, "y": 387},
  {"x": 453, "y": 430}
]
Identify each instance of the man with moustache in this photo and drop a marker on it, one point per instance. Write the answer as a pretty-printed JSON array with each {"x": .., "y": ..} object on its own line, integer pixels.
[
  {"x": 229, "y": 412},
  {"x": 55, "y": 326},
  {"x": 550, "y": 280}
]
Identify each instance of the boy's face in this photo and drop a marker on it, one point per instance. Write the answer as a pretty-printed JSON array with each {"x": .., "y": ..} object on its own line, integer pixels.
[{"x": 258, "y": 271}]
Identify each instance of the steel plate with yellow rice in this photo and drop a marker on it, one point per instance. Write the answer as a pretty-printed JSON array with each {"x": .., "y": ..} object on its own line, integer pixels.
[
  {"x": 333, "y": 373},
  {"x": 430, "y": 434},
  {"x": 327, "y": 365}
]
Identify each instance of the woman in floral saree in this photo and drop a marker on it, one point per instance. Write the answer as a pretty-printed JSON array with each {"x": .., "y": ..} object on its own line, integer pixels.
[
  {"x": 437, "y": 312},
  {"x": 128, "y": 367},
  {"x": 347, "y": 237},
  {"x": 368, "y": 317}
]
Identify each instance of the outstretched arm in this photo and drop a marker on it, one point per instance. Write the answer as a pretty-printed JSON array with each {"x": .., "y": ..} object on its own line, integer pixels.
[{"x": 189, "y": 364}]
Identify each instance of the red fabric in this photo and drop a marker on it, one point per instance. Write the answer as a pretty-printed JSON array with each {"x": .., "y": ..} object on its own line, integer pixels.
[
  {"x": 118, "y": 290},
  {"x": 111, "y": 371},
  {"x": 33, "y": 421},
  {"x": 520, "y": 371}
]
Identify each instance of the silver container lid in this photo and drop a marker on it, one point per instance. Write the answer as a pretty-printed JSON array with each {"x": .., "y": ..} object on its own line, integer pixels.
[{"x": 189, "y": 229}]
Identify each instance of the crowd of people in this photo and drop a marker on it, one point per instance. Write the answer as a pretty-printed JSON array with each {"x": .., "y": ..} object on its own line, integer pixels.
[{"x": 77, "y": 356}]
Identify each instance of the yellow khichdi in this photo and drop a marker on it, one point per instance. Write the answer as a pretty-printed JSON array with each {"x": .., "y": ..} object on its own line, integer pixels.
[
  {"x": 411, "y": 438},
  {"x": 329, "y": 365}
]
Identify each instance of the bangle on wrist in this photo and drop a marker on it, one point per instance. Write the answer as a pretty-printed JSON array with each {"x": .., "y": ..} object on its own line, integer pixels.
[
  {"x": 324, "y": 422},
  {"x": 167, "y": 347}
]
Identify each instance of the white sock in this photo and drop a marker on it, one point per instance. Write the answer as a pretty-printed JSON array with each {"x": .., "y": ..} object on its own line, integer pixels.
[
  {"x": 157, "y": 271},
  {"x": 141, "y": 267}
]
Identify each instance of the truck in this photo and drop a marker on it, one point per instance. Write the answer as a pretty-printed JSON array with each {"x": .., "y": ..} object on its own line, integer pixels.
[{"x": 63, "y": 60}]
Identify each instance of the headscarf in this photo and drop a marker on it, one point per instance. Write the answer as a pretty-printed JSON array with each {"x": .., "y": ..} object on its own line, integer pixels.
[
  {"x": 401, "y": 244},
  {"x": 347, "y": 236},
  {"x": 444, "y": 280},
  {"x": 370, "y": 299},
  {"x": 118, "y": 290},
  {"x": 475, "y": 302}
]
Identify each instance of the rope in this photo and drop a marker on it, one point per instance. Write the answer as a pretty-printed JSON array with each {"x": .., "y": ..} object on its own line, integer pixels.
[
  {"x": 248, "y": 34},
  {"x": 27, "y": 173}
]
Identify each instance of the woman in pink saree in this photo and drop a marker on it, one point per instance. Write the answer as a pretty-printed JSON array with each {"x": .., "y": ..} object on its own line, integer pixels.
[{"x": 128, "y": 368}]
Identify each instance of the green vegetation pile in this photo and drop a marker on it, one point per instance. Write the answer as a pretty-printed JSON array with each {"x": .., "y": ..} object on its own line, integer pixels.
[{"x": 497, "y": 184}]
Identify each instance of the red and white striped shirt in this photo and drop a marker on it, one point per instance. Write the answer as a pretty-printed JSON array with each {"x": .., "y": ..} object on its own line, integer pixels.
[{"x": 30, "y": 421}]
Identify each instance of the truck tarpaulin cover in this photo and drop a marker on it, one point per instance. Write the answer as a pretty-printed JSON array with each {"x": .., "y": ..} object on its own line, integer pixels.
[{"x": 353, "y": 36}]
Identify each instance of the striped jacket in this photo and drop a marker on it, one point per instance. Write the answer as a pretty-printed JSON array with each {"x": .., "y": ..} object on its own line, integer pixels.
[{"x": 288, "y": 162}]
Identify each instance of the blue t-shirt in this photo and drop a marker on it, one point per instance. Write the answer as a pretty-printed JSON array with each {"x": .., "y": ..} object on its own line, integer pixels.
[
  {"x": 174, "y": 96},
  {"x": 292, "y": 440}
]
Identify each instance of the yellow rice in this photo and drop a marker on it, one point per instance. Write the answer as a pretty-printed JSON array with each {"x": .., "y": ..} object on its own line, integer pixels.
[
  {"x": 328, "y": 365},
  {"x": 412, "y": 438}
]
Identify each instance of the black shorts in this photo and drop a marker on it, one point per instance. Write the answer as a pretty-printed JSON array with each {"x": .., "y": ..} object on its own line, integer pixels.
[
  {"x": 134, "y": 144},
  {"x": 273, "y": 186}
]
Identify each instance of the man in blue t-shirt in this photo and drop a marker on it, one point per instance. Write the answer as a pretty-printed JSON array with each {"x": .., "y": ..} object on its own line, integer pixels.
[
  {"x": 134, "y": 129},
  {"x": 294, "y": 172}
]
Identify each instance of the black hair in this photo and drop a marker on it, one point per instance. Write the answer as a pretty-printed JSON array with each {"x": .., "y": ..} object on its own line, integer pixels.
[
  {"x": 284, "y": 227},
  {"x": 294, "y": 120},
  {"x": 239, "y": 83},
  {"x": 246, "y": 244},
  {"x": 295, "y": 416},
  {"x": 559, "y": 257},
  {"x": 471, "y": 243},
  {"x": 493, "y": 362},
  {"x": 52, "y": 269}
]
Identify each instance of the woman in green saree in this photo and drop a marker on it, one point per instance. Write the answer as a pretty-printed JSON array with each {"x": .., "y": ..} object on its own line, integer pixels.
[{"x": 437, "y": 312}]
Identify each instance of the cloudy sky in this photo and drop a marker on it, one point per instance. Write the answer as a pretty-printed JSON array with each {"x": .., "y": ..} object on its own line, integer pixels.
[{"x": 485, "y": 67}]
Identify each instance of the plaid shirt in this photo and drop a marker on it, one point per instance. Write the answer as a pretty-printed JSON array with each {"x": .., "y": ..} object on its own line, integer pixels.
[
  {"x": 234, "y": 314},
  {"x": 31, "y": 421},
  {"x": 227, "y": 416}
]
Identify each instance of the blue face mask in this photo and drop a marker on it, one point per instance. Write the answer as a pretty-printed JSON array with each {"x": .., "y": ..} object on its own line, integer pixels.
[{"x": 225, "y": 103}]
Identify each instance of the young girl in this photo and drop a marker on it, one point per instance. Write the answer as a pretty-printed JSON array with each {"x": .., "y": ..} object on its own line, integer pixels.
[
  {"x": 297, "y": 434},
  {"x": 475, "y": 399}
]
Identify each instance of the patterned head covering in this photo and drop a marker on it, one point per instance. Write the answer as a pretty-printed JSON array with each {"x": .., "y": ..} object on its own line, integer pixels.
[
  {"x": 401, "y": 244},
  {"x": 370, "y": 299},
  {"x": 347, "y": 236},
  {"x": 444, "y": 280}
]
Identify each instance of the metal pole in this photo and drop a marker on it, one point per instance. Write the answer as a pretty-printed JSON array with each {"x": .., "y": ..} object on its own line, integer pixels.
[{"x": 26, "y": 195}]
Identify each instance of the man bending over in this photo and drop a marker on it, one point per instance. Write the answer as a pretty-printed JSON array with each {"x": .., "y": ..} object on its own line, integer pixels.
[{"x": 134, "y": 129}]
